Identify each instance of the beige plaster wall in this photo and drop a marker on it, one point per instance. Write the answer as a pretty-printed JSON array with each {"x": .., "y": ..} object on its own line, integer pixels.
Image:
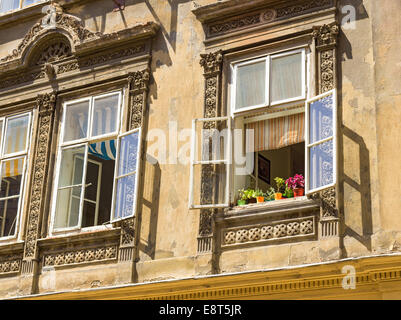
[{"x": 369, "y": 67}]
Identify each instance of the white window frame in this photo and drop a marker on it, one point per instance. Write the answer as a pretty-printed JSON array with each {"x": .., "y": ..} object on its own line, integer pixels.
[
  {"x": 116, "y": 176},
  {"x": 84, "y": 142},
  {"x": 13, "y": 156},
  {"x": 225, "y": 161},
  {"x": 332, "y": 92},
  {"x": 268, "y": 59}
]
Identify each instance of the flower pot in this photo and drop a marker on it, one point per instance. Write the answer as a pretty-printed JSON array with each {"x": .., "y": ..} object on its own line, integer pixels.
[
  {"x": 260, "y": 199},
  {"x": 278, "y": 196},
  {"x": 298, "y": 192},
  {"x": 252, "y": 200},
  {"x": 241, "y": 202}
]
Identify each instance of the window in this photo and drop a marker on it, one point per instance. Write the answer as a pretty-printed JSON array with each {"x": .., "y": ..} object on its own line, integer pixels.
[
  {"x": 8, "y": 5},
  {"x": 268, "y": 81},
  {"x": 15, "y": 134},
  {"x": 276, "y": 132},
  {"x": 96, "y": 166}
]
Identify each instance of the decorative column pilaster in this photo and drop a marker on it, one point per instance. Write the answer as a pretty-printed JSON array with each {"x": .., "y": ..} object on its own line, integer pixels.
[
  {"x": 138, "y": 87},
  {"x": 46, "y": 105},
  {"x": 326, "y": 51},
  {"x": 212, "y": 65}
]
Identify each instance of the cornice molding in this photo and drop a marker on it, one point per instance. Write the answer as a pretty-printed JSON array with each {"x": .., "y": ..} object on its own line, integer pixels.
[
  {"x": 373, "y": 275},
  {"x": 223, "y": 17},
  {"x": 82, "y": 41}
]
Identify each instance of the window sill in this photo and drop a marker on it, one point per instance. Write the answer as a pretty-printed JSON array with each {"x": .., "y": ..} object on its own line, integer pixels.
[
  {"x": 270, "y": 207},
  {"x": 268, "y": 223}
]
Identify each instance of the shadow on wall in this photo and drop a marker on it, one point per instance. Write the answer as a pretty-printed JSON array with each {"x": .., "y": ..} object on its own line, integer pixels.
[
  {"x": 360, "y": 180},
  {"x": 148, "y": 215},
  {"x": 360, "y": 14}
]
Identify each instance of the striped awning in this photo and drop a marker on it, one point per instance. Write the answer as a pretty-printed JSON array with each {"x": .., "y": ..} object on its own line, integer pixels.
[
  {"x": 278, "y": 132},
  {"x": 12, "y": 168},
  {"x": 105, "y": 150}
]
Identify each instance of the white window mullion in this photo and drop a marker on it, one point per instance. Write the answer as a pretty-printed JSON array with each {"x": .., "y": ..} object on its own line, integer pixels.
[{"x": 81, "y": 202}]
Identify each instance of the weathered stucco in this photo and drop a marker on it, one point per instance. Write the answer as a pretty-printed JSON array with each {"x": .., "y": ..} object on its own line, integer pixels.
[{"x": 368, "y": 83}]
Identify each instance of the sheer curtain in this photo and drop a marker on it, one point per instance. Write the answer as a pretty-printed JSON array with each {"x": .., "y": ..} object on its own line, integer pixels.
[
  {"x": 286, "y": 77},
  {"x": 8, "y": 5},
  {"x": 251, "y": 85}
]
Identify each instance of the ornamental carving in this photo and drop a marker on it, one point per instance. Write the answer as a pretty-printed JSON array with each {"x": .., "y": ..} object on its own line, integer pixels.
[
  {"x": 138, "y": 83},
  {"x": 10, "y": 264},
  {"x": 326, "y": 35},
  {"x": 267, "y": 232},
  {"x": 54, "y": 52},
  {"x": 328, "y": 198},
  {"x": 327, "y": 70},
  {"x": 46, "y": 104},
  {"x": 211, "y": 62},
  {"x": 80, "y": 256},
  {"x": 265, "y": 16}
]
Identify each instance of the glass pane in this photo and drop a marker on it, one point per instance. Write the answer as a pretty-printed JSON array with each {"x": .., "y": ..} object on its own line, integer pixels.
[
  {"x": 321, "y": 122},
  {"x": 286, "y": 77},
  {"x": 17, "y": 130},
  {"x": 1, "y": 128},
  {"x": 29, "y": 2},
  {"x": 89, "y": 214},
  {"x": 71, "y": 168},
  {"x": 128, "y": 153},
  {"x": 92, "y": 178},
  {"x": 209, "y": 184},
  {"x": 321, "y": 165},
  {"x": 11, "y": 176},
  {"x": 212, "y": 144},
  {"x": 67, "y": 207},
  {"x": 105, "y": 115},
  {"x": 125, "y": 197},
  {"x": 8, "y": 216},
  {"x": 251, "y": 85},
  {"x": 76, "y": 121},
  {"x": 7, "y": 5}
]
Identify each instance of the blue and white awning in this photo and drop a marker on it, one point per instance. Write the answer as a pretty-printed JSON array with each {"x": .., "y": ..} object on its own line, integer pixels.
[{"x": 105, "y": 150}]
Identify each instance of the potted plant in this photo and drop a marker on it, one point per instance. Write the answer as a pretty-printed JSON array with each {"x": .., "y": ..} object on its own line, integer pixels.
[
  {"x": 270, "y": 194},
  {"x": 242, "y": 197},
  {"x": 250, "y": 194},
  {"x": 288, "y": 193},
  {"x": 258, "y": 194},
  {"x": 280, "y": 183},
  {"x": 297, "y": 184}
]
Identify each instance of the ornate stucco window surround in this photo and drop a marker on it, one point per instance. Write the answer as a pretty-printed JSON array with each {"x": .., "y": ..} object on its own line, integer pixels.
[
  {"x": 229, "y": 33},
  {"x": 54, "y": 67}
]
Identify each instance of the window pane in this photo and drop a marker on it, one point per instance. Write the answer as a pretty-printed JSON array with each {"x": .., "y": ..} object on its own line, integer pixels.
[
  {"x": 101, "y": 166},
  {"x": 29, "y": 2},
  {"x": 125, "y": 197},
  {"x": 7, "y": 5},
  {"x": 105, "y": 115},
  {"x": 11, "y": 175},
  {"x": 286, "y": 77},
  {"x": 89, "y": 214},
  {"x": 128, "y": 153},
  {"x": 8, "y": 216},
  {"x": 321, "y": 119},
  {"x": 250, "y": 85},
  {"x": 67, "y": 207},
  {"x": 17, "y": 130},
  {"x": 71, "y": 168},
  {"x": 76, "y": 121},
  {"x": 321, "y": 165}
]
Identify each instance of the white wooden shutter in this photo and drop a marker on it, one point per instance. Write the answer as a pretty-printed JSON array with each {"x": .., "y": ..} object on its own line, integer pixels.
[{"x": 321, "y": 142}]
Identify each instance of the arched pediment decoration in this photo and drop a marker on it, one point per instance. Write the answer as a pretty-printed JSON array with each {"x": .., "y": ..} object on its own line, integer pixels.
[{"x": 69, "y": 26}]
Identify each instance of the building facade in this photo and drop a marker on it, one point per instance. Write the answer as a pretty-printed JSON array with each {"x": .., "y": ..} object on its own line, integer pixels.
[{"x": 129, "y": 130}]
